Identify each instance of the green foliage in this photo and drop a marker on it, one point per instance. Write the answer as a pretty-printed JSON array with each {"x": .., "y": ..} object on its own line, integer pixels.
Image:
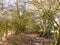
[
  {"x": 18, "y": 23},
  {"x": 48, "y": 17}
]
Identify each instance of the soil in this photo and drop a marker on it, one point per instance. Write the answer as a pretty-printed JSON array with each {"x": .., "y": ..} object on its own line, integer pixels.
[{"x": 31, "y": 39}]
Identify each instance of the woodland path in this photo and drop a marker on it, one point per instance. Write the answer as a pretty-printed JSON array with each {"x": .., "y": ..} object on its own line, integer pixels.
[{"x": 34, "y": 39}]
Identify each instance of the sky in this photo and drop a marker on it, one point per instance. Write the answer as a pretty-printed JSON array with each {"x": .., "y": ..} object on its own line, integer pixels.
[
  {"x": 7, "y": 1},
  {"x": 12, "y": 2}
]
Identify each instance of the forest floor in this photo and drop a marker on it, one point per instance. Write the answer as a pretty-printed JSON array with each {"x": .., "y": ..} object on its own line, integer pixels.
[
  {"x": 36, "y": 40},
  {"x": 32, "y": 39}
]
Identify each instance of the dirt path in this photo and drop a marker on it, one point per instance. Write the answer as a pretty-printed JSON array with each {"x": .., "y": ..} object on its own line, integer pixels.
[{"x": 34, "y": 39}]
